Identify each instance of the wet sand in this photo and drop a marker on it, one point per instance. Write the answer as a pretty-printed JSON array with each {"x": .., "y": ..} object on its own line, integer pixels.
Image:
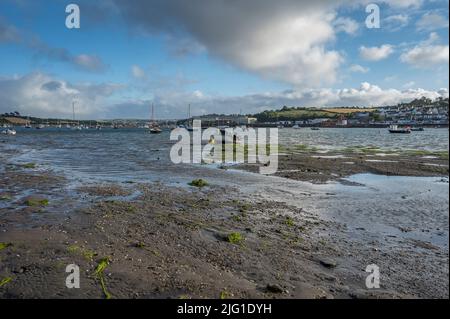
[{"x": 212, "y": 242}]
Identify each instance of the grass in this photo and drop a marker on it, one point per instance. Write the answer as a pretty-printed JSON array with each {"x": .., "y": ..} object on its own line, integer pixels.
[
  {"x": 349, "y": 110},
  {"x": 99, "y": 272},
  {"x": 36, "y": 202},
  {"x": 4, "y": 245},
  {"x": 235, "y": 238},
  {"x": 5, "y": 281},
  {"x": 198, "y": 183}
]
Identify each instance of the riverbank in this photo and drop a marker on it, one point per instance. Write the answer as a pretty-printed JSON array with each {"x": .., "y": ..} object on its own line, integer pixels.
[{"x": 164, "y": 241}]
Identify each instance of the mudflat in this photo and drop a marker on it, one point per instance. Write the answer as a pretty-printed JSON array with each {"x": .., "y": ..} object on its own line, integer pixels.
[{"x": 162, "y": 241}]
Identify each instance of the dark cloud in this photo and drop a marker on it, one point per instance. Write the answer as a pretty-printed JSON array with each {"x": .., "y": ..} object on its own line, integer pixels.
[
  {"x": 85, "y": 62},
  {"x": 8, "y": 33},
  {"x": 52, "y": 86}
]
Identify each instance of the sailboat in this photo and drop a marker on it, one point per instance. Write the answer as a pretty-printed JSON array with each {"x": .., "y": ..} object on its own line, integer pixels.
[
  {"x": 28, "y": 124},
  {"x": 154, "y": 127},
  {"x": 77, "y": 127},
  {"x": 189, "y": 126}
]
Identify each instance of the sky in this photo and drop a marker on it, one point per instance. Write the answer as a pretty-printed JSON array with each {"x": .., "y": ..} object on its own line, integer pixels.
[{"x": 220, "y": 56}]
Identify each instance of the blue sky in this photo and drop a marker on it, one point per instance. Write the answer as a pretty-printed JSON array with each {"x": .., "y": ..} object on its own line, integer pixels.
[{"x": 220, "y": 56}]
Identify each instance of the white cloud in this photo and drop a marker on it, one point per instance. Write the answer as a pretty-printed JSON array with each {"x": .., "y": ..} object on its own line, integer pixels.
[
  {"x": 405, "y": 3},
  {"x": 88, "y": 62},
  {"x": 356, "y": 68},
  {"x": 409, "y": 84},
  {"x": 346, "y": 25},
  {"x": 427, "y": 54},
  {"x": 275, "y": 40},
  {"x": 137, "y": 72},
  {"x": 174, "y": 104},
  {"x": 396, "y": 22},
  {"x": 42, "y": 95},
  {"x": 376, "y": 53},
  {"x": 431, "y": 21}
]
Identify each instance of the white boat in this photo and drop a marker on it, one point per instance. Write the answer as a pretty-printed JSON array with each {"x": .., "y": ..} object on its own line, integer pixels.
[
  {"x": 296, "y": 126},
  {"x": 154, "y": 127},
  {"x": 9, "y": 132},
  {"x": 396, "y": 130}
]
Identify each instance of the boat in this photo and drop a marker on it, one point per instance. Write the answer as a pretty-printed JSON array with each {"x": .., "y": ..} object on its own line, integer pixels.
[
  {"x": 154, "y": 127},
  {"x": 40, "y": 127},
  {"x": 315, "y": 129},
  {"x": 189, "y": 126},
  {"x": 155, "y": 130},
  {"x": 296, "y": 126},
  {"x": 396, "y": 130},
  {"x": 417, "y": 129},
  {"x": 9, "y": 132}
]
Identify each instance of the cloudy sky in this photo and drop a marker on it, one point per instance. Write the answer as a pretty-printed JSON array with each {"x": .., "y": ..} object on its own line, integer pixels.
[{"x": 221, "y": 56}]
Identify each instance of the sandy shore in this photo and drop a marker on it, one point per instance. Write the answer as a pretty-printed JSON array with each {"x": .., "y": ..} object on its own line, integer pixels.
[{"x": 188, "y": 242}]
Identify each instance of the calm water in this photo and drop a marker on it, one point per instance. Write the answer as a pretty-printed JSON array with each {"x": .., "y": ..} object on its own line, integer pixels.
[
  {"x": 332, "y": 138},
  {"x": 136, "y": 154}
]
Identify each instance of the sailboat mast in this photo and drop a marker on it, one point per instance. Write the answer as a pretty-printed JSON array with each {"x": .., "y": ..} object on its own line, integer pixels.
[
  {"x": 153, "y": 113},
  {"x": 73, "y": 111}
]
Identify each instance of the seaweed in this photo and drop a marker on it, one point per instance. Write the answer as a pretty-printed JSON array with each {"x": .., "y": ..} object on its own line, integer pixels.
[
  {"x": 29, "y": 165},
  {"x": 198, "y": 183},
  {"x": 235, "y": 238},
  {"x": 224, "y": 294},
  {"x": 4, "y": 245},
  {"x": 5, "y": 281},
  {"x": 86, "y": 253},
  {"x": 36, "y": 202},
  {"x": 289, "y": 221},
  {"x": 99, "y": 272},
  {"x": 5, "y": 197}
]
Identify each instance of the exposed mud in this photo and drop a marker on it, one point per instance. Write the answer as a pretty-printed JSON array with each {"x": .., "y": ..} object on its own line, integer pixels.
[
  {"x": 318, "y": 167},
  {"x": 175, "y": 242}
]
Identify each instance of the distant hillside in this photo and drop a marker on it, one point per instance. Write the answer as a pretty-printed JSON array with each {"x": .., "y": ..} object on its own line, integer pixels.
[{"x": 301, "y": 113}]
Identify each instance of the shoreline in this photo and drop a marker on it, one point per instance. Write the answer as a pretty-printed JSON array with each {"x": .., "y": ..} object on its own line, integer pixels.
[{"x": 186, "y": 242}]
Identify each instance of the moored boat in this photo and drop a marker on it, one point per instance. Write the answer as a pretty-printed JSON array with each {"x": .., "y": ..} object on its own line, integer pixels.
[{"x": 396, "y": 130}]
